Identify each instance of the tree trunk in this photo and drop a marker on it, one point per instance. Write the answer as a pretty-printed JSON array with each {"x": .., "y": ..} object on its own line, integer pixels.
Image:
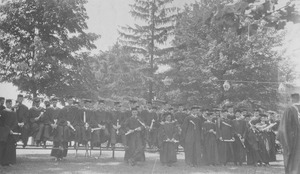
[{"x": 152, "y": 53}]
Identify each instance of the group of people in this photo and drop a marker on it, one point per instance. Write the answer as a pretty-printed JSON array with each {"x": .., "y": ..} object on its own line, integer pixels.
[{"x": 214, "y": 136}]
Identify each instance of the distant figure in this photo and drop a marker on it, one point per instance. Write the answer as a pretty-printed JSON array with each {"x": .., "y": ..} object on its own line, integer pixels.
[{"x": 289, "y": 137}]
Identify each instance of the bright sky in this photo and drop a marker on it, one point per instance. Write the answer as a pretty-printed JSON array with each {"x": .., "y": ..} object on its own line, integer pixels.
[{"x": 105, "y": 17}]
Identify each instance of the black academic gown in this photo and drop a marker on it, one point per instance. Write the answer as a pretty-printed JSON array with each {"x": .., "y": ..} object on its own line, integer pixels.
[
  {"x": 23, "y": 117},
  {"x": 168, "y": 149},
  {"x": 135, "y": 140},
  {"x": 289, "y": 137},
  {"x": 239, "y": 127},
  {"x": 192, "y": 140},
  {"x": 211, "y": 155},
  {"x": 225, "y": 146},
  {"x": 10, "y": 155},
  {"x": 4, "y": 133}
]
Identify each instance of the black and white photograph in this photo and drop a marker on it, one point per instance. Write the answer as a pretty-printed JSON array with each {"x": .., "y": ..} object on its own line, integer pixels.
[{"x": 150, "y": 86}]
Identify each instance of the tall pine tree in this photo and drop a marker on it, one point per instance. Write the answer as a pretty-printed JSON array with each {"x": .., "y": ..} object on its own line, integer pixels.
[{"x": 145, "y": 39}]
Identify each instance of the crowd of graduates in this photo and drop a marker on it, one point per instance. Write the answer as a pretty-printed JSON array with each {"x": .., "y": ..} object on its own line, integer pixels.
[{"x": 214, "y": 136}]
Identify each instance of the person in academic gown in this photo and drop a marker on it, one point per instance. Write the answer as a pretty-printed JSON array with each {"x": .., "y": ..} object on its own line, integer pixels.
[
  {"x": 192, "y": 138},
  {"x": 4, "y": 133},
  {"x": 251, "y": 143},
  {"x": 211, "y": 155},
  {"x": 263, "y": 140},
  {"x": 2, "y": 107},
  {"x": 10, "y": 156},
  {"x": 272, "y": 136},
  {"x": 116, "y": 131},
  {"x": 225, "y": 138},
  {"x": 35, "y": 117},
  {"x": 65, "y": 117},
  {"x": 101, "y": 119},
  {"x": 239, "y": 126},
  {"x": 153, "y": 131},
  {"x": 23, "y": 119},
  {"x": 56, "y": 130},
  {"x": 289, "y": 137},
  {"x": 135, "y": 128},
  {"x": 47, "y": 120},
  {"x": 168, "y": 138}
]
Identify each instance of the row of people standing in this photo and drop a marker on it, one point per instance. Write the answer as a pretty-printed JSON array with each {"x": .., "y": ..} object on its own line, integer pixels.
[
  {"x": 208, "y": 137},
  {"x": 219, "y": 137}
]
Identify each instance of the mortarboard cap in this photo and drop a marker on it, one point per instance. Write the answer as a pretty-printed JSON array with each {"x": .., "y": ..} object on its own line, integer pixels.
[
  {"x": 69, "y": 97},
  {"x": 20, "y": 95},
  {"x": 36, "y": 99},
  {"x": 117, "y": 103},
  {"x": 195, "y": 107},
  {"x": 247, "y": 115},
  {"x": 47, "y": 103},
  {"x": 87, "y": 100},
  {"x": 237, "y": 110},
  {"x": 101, "y": 101},
  {"x": 217, "y": 109},
  {"x": 295, "y": 96},
  {"x": 154, "y": 107},
  {"x": 133, "y": 101},
  {"x": 53, "y": 98},
  {"x": 262, "y": 115},
  {"x": 8, "y": 101},
  {"x": 134, "y": 109},
  {"x": 2, "y": 98}
]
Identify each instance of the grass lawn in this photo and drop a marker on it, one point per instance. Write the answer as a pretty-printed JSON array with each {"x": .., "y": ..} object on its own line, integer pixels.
[{"x": 39, "y": 161}]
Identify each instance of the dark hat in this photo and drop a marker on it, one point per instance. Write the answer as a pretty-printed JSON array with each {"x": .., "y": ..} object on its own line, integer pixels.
[
  {"x": 216, "y": 109},
  {"x": 87, "y": 100},
  {"x": 295, "y": 96},
  {"x": 210, "y": 113},
  {"x": 272, "y": 112},
  {"x": 8, "y": 101},
  {"x": 237, "y": 110},
  {"x": 117, "y": 103},
  {"x": 36, "y": 99},
  {"x": 69, "y": 97},
  {"x": 262, "y": 115},
  {"x": 167, "y": 113},
  {"x": 20, "y": 95},
  {"x": 101, "y": 101},
  {"x": 224, "y": 110},
  {"x": 195, "y": 107},
  {"x": 256, "y": 110},
  {"x": 134, "y": 109},
  {"x": 229, "y": 106},
  {"x": 171, "y": 108},
  {"x": 154, "y": 107},
  {"x": 53, "y": 98},
  {"x": 247, "y": 115},
  {"x": 243, "y": 109},
  {"x": 2, "y": 98},
  {"x": 159, "y": 102},
  {"x": 133, "y": 101}
]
